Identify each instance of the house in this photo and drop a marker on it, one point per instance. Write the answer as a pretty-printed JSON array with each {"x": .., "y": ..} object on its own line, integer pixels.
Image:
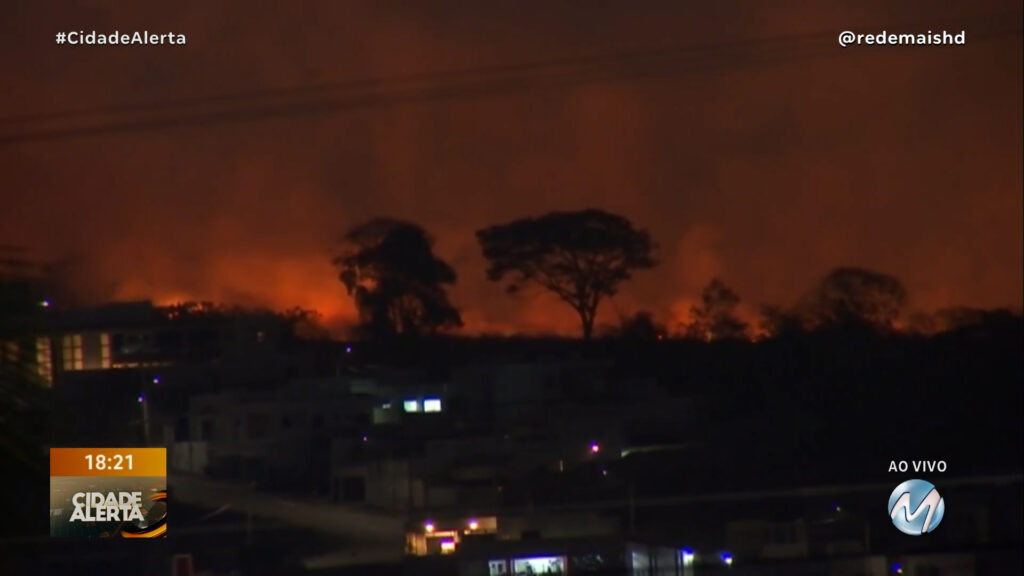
[
  {"x": 133, "y": 365},
  {"x": 276, "y": 437}
]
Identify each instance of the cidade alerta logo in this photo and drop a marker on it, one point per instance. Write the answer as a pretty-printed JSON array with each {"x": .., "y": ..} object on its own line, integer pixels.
[
  {"x": 108, "y": 492},
  {"x": 916, "y": 507}
]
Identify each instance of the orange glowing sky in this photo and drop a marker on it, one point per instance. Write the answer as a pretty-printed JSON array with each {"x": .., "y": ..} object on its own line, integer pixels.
[{"x": 902, "y": 159}]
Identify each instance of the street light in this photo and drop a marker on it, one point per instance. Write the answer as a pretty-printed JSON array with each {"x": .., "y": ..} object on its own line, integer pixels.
[{"x": 145, "y": 417}]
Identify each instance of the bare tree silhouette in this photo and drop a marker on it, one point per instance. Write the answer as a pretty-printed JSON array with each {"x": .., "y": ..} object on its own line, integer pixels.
[{"x": 715, "y": 318}]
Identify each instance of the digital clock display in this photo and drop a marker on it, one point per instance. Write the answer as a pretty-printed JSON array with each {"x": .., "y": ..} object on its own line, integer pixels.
[{"x": 113, "y": 461}]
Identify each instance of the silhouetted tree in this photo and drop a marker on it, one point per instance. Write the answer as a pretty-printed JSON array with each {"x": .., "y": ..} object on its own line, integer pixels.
[
  {"x": 846, "y": 298},
  {"x": 849, "y": 297},
  {"x": 25, "y": 403},
  {"x": 293, "y": 322},
  {"x": 192, "y": 309},
  {"x": 396, "y": 280},
  {"x": 581, "y": 257},
  {"x": 977, "y": 320},
  {"x": 778, "y": 321},
  {"x": 639, "y": 326},
  {"x": 715, "y": 318},
  {"x": 304, "y": 323}
]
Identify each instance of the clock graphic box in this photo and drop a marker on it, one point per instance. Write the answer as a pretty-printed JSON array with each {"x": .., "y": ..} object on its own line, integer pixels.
[{"x": 108, "y": 492}]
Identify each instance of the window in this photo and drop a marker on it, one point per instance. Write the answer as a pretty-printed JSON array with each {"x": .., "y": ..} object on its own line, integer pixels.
[
  {"x": 641, "y": 561},
  {"x": 411, "y": 405},
  {"x": 550, "y": 565},
  {"x": 497, "y": 568},
  {"x": 72, "y": 349},
  {"x": 44, "y": 359},
  {"x": 105, "y": 351},
  {"x": 432, "y": 405}
]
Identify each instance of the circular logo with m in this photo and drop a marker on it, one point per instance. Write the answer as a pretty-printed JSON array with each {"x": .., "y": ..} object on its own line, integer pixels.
[{"x": 916, "y": 507}]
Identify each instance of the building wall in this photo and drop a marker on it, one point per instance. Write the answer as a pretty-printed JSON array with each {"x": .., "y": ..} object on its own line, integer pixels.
[
  {"x": 188, "y": 457},
  {"x": 937, "y": 565},
  {"x": 556, "y": 526},
  {"x": 762, "y": 539},
  {"x": 279, "y": 436}
]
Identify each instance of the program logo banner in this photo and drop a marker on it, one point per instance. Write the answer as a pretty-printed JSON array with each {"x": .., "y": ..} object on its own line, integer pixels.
[{"x": 108, "y": 492}]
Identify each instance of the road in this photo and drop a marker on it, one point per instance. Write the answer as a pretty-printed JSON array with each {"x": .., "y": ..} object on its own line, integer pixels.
[{"x": 373, "y": 537}]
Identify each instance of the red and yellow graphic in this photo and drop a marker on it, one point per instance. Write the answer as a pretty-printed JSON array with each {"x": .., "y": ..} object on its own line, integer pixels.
[
  {"x": 108, "y": 462},
  {"x": 108, "y": 492},
  {"x": 155, "y": 530}
]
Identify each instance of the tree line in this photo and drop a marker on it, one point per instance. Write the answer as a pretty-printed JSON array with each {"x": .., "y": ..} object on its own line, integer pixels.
[{"x": 400, "y": 286}]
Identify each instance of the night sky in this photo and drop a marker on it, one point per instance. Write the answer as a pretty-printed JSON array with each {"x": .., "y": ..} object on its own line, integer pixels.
[{"x": 767, "y": 160}]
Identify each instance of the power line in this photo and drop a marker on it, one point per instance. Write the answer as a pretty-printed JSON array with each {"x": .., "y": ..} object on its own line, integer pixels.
[
  {"x": 535, "y": 72},
  {"x": 471, "y": 88},
  {"x": 997, "y": 20},
  {"x": 364, "y": 83},
  {"x": 383, "y": 82},
  {"x": 451, "y": 85}
]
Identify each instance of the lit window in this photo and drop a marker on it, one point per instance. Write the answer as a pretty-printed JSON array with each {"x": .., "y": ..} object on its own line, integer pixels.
[
  {"x": 432, "y": 405},
  {"x": 9, "y": 352},
  {"x": 497, "y": 568},
  {"x": 411, "y": 405},
  {"x": 547, "y": 565},
  {"x": 44, "y": 359},
  {"x": 73, "y": 355},
  {"x": 105, "y": 351},
  {"x": 447, "y": 546}
]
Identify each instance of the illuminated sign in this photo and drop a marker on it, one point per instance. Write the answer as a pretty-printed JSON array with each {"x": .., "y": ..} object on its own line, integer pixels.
[{"x": 108, "y": 492}]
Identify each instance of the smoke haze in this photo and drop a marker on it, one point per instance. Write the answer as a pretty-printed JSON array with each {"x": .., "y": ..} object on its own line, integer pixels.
[{"x": 764, "y": 171}]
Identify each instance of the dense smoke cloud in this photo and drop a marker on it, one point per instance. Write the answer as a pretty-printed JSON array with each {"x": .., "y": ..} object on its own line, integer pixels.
[{"x": 767, "y": 174}]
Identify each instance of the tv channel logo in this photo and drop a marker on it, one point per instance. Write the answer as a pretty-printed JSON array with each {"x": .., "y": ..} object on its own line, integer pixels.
[{"x": 916, "y": 507}]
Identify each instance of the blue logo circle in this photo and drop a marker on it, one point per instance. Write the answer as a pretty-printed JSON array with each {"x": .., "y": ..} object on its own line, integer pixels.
[{"x": 916, "y": 507}]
